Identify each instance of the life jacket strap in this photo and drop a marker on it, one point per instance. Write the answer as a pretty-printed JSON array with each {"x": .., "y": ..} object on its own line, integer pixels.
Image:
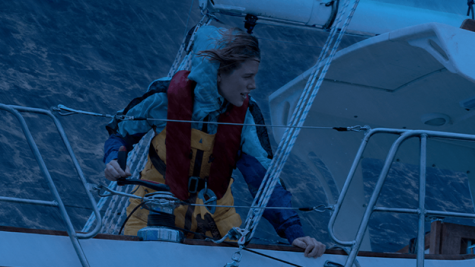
[
  {"x": 157, "y": 162},
  {"x": 178, "y": 141},
  {"x": 196, "y": 184}
]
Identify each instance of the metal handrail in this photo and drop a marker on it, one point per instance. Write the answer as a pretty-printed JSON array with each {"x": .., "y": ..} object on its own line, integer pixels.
[
  {"x": 58, "y": 201},
  {"x": 421, "y": 211},
  {"x": 349, "y": 179}
]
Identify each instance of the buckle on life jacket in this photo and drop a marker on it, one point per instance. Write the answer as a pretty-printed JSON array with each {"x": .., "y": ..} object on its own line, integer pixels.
[
  {"x": 195, "y": 184},
  {"x": 208, "y": 197}
]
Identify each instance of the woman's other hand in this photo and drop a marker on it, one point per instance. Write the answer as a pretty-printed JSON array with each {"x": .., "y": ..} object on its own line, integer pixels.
[{"x": 312, "y": 247}]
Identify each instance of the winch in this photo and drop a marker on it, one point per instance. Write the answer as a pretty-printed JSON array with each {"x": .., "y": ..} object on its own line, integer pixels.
[
  {"x": 161, "y": 203},
  {"x": 161, "y": 220}
]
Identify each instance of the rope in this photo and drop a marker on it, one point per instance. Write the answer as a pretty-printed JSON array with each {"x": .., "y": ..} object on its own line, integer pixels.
[
  {"x": 110, "y": 212},
  {"x": 119, "y": 211},
  {"x": 128, "y": 217},
  {"x": 298, "y": 118}
]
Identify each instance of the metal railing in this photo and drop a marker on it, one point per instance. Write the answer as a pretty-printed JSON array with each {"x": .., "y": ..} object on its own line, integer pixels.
[
  {"x": 57, "y": 202},
  {"x": 421, "y": 211}
]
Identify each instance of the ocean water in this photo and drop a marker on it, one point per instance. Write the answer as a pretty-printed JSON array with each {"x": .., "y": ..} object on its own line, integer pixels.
[{"x": 97, "y": 56}]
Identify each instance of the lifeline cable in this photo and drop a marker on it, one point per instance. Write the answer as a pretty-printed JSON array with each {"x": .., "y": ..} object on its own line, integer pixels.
[
  {"x": 71, "y": 111},
  {"x": 318, "y": 208},
  {"x": 298, "y": 118}
]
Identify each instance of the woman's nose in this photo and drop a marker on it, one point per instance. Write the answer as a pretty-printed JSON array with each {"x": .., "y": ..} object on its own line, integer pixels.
[{"x": 252, "y": 85}]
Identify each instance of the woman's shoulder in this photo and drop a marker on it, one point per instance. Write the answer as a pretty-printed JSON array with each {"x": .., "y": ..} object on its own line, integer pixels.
[{"x": 156, "y": 95}]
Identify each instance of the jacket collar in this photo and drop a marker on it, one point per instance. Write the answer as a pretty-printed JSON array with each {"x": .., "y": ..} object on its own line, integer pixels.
[{"x": 205, "y": 72}]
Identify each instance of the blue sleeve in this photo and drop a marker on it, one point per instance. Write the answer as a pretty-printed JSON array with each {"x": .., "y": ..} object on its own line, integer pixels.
[
  {"x": 115, "y": 141},
  {"x": 154, "y": 106},
  {"x": 250, "y": 142},
  {"x": 130, "y": 132},
  {"x": 286, "y": 222}
]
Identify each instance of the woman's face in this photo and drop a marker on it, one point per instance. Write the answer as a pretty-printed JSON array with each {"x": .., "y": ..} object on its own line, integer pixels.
[{"x": 235, "y": 86}]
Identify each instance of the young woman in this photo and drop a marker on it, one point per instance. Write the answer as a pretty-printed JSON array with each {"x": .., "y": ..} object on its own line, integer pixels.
[{"x": 224, "y": 67}]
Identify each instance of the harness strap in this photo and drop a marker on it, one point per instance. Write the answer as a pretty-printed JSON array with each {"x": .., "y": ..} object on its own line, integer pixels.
[
  {"x": 189, "y": 212},
  {"x": 205, "y": 125},
  {"x": 198, "y": 163},
  {"x": 207, "y": 224},
  {"x": 157, "y": 162}
]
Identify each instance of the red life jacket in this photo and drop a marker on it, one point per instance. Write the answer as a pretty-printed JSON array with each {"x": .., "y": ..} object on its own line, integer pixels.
[{"x": 178, "y": 140}]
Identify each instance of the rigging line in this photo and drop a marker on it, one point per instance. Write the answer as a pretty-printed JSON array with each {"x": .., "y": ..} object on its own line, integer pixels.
[
  {"x": 257, "y": 200},
  {"x": 283, "y": 145},
  {"x": 299, "y": 116}
]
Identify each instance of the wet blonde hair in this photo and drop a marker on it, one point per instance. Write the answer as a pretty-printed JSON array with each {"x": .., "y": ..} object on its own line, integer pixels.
[{"x": 234, "y": 47}]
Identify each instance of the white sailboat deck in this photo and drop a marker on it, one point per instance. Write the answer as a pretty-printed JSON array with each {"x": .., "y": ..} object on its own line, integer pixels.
[
  {"x": 397, "y": 75},
  {"x": 53, "y": 248}
]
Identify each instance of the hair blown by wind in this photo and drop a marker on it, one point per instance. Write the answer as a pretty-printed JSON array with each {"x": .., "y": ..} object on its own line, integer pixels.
[{"x": 234, "y": 47}]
